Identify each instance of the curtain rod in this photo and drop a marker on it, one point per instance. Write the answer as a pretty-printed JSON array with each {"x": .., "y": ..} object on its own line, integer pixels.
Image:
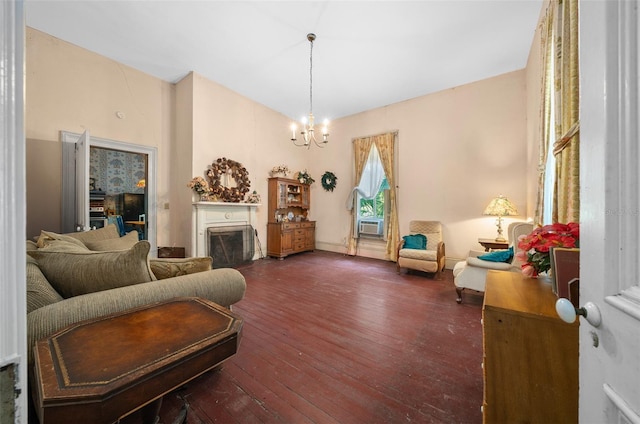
[{"x": 394, "y": 132}]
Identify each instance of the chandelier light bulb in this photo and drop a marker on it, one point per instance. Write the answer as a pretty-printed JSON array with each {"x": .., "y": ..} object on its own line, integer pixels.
[{"x": 294, "y": 127}]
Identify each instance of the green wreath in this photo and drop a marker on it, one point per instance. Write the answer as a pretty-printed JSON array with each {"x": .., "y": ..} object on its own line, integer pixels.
[{"x": 329, "y": 180}]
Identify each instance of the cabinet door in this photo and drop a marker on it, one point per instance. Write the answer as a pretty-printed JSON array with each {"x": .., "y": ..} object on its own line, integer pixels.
[
  {"x": 305, "y": 196},
  {"x": 310, "y": 238},
  {"x": 287, "y": 241},
  {"x": 282, "y": 195}
]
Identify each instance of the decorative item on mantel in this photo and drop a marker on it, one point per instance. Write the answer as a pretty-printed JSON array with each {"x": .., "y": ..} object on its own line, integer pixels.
[
  {"x": 219, "y": 173},
  {"x": 200, "y": 186},
  {"x": 534, "y": 248},
  {"x": 304, "y": 177},
  {"x": 253, "y": 197},
  {"x": 280, "y": 171}
]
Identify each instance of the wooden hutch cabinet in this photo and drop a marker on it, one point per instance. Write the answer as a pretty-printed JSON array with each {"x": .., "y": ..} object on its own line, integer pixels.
[
  {"x": 289, "y": 230},
  {"x": 530, "y": 355}
]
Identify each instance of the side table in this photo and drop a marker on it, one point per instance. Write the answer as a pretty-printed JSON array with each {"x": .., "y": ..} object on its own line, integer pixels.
[
  {"x": 493, "y": 244},
  {"x": 100, "y": 370}
]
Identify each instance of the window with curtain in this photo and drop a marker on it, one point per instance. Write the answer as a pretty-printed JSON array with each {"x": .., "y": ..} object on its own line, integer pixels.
[
  {"x": 550, "y": 164},
  {"x": 558, "y": 197},
  {"x": 371, "y": 198},
  {"x": 374, "y": 159}
]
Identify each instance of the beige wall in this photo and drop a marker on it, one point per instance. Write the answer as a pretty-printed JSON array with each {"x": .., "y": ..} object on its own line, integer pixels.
[
  {"x": 72, "y": 89},
  {"x": 220, "y": 123},
  {"x": 457, "y": 148}
]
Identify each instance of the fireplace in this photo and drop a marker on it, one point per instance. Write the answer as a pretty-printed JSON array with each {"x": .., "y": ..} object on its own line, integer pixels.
[
  {"x": 230, "y": 245},
  {"x": 214, "y": 225}
]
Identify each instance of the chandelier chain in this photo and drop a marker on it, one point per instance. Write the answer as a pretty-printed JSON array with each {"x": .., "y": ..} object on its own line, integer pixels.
[
  {"x": 311, "y": 78},
  {"x": 308, "y": 131}
]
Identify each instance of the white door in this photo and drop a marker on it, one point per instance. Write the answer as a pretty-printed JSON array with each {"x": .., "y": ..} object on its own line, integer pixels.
[
  {"x": 82, "y": 182},
  {"x": 610, "y": 211}
]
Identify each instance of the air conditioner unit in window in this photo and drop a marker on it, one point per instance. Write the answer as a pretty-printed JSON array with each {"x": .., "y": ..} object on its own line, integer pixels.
[{"x": 370, "y": 227}]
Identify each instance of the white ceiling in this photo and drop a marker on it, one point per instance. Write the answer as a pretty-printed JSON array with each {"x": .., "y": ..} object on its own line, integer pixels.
[{"x": 367, "y": 53}]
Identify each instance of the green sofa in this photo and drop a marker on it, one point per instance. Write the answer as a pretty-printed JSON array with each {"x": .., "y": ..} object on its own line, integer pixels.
[{"x": 79, "y": 276}]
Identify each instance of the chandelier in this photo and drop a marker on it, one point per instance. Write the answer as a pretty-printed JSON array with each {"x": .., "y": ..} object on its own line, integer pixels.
[{"x": 308, "y": 131}]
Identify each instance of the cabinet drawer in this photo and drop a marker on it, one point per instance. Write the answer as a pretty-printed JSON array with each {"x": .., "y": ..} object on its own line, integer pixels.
[
  {"x": 307, "y": 224},
  {"x": 291, "y": 225}
]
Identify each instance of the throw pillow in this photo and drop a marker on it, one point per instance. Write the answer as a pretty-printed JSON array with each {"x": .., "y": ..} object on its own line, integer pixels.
[
  {"x": 498, "y": 255},
  {"x": 107, "y": 232},
  {"x": 121, "y": 243},
  {"x": 76, "y": 273},
  {"x": 167, "y": 268},
  {"x": 415, "y": 241},
  {"x": 46, "y": 237},
  {"x": 39, "y": 291}
]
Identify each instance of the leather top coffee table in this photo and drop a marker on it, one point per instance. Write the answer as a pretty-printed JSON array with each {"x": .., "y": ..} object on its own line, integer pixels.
[{"x": 100, "y": 370}]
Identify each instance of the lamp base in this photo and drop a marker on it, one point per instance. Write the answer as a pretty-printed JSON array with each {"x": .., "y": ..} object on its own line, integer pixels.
[{"x": 501, "y": 239}]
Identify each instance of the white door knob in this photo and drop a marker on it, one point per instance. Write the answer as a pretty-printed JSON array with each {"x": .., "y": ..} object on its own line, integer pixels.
[{"x": 568, "y": 313}]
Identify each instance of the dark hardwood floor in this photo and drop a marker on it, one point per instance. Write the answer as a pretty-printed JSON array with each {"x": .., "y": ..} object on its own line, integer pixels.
[{"x": 329, "y": 338}]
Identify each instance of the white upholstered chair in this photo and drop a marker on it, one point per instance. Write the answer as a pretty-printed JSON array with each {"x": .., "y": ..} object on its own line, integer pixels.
[
  {"x": 472, "y": 273},
  {"x": 429, "y": 260}
]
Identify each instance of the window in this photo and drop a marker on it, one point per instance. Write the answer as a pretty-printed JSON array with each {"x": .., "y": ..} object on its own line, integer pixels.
[
  {"x": 372, "y": 214},
  {"x": 372, "y": 197}
]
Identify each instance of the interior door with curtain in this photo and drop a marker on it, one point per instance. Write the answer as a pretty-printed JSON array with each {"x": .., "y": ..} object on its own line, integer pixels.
[{"x": 610, "y": 211}]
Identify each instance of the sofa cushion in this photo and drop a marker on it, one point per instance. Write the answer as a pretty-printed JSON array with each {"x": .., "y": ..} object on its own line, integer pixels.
[
  {"x": 173, "y": 267},
  {"x": 107, "y": 232},
  {"x": 47, "y": 237},
  {"x": 39, "y": 291},
  {"x": 121, "y": 243},
  {"x": 423, "y": 255},
  {"x": 73, "y": 273}
]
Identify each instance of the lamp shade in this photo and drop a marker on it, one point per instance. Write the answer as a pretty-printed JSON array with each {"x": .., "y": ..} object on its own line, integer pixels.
[{"x": 501, "y": 206}]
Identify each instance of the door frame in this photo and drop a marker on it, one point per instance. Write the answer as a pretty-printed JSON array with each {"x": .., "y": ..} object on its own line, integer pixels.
[
  {"x": 13, "y": 303},
  {"x": 610, "y": 210},
  {"x": 68, "y": 184}
]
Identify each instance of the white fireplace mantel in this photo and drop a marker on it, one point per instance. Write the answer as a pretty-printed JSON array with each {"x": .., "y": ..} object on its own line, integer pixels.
[{"x": 218, "y": 214}]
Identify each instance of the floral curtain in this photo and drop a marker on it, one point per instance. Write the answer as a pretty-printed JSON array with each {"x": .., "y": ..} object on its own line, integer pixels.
[
  {"x": 546, "y": 130},
  {"x": 361, "y": 148},
  {"x": 385, "y": 144},
  {"x": 567, "y": 147},
  {"x": 559, "y": 35}
]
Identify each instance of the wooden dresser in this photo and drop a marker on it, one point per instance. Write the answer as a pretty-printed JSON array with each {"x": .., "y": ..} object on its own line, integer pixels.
[
  {"x": 289, "y": 230},
  {"x": 530, "y": 356}
]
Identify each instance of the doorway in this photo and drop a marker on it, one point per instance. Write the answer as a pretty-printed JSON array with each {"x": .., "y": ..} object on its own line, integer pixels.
[{"x": 121, "y": 181}]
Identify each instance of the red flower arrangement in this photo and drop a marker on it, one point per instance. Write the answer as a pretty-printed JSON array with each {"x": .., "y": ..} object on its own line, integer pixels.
[{"x": 534, "y": 248}]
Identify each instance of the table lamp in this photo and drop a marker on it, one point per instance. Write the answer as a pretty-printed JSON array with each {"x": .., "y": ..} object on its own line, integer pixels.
[{"x": 500, "y": 206}]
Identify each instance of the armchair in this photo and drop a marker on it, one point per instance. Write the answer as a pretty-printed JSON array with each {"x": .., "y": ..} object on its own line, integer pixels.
[
  {"x": 472, "y": 273},
  {"x": 429, "y": 260}
]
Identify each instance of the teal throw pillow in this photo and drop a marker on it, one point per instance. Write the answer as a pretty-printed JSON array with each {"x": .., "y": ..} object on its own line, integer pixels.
[
  {"x": 415, "y": 241},
  {"x": 498, "y": 255}
]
